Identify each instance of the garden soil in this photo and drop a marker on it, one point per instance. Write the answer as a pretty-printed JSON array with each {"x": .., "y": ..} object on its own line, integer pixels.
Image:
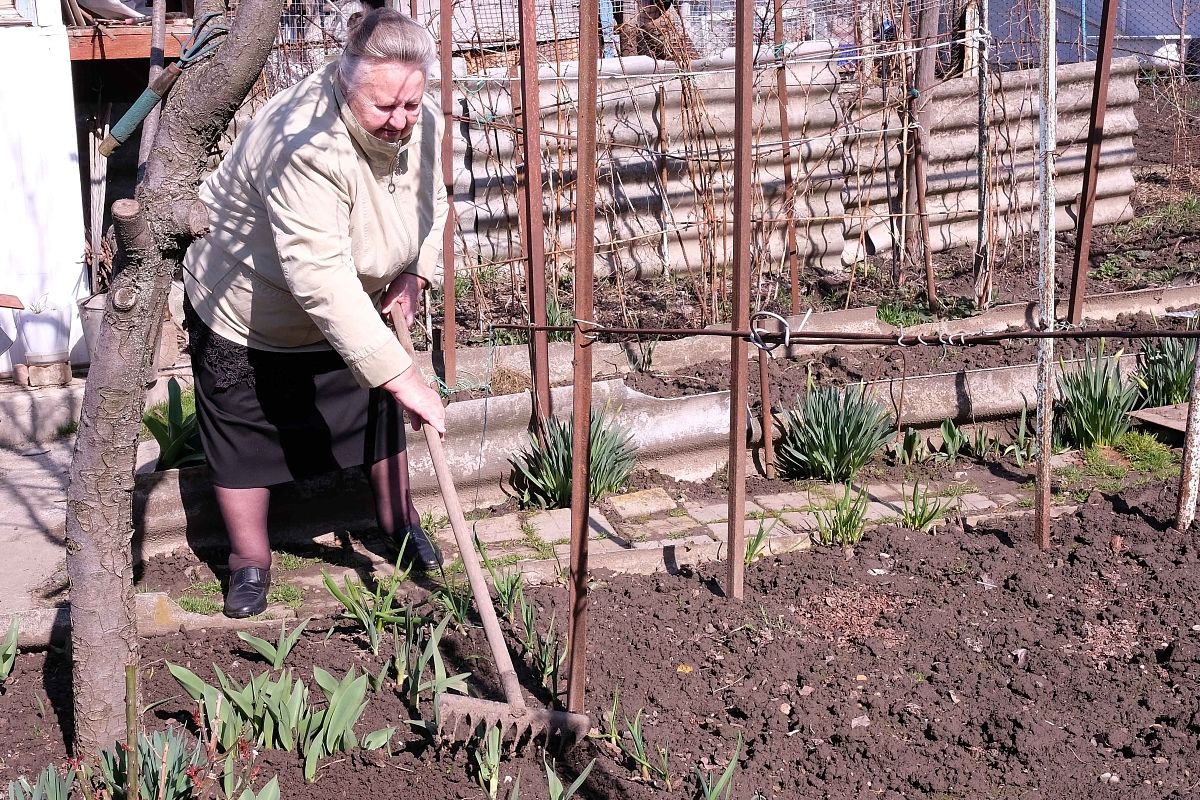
[{"x": 962, "y": 664}]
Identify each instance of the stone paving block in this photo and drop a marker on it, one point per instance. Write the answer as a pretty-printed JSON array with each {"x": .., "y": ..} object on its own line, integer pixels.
[
  {"x": 718, "y": 512},
  {"x": 1005, "y": 499},
  {"x": 554, "y": 526},
  {"x": 595, "y": 547},
  {"x": 494, "y": 530},
  {"x": 685, "y": 543},
  {"x": 975, "y": 502},
  {"x": 656, "y": 529},
  {"x": 642, "y": 504},
  {"x": 800, "y": 520},
  {"x": 890, "y": 493},
  {"x": 788, "y": 500},
  {"x": 878, "y": 511},
  {"x": 720, "y": 530}
]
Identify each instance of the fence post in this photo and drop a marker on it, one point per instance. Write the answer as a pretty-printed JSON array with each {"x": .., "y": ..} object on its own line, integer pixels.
[{"x": 1047, "y": 142}]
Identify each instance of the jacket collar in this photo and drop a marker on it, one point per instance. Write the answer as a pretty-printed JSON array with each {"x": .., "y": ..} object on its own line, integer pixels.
[{"x": 382, "y": 156}]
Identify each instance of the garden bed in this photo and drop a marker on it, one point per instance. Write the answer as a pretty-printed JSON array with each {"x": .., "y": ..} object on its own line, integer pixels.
[
  {"x": 841, "y": 365},
  {"x": 961, "y": 664}
]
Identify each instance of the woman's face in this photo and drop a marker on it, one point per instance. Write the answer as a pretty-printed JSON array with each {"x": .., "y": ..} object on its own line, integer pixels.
[{"x": 387, "y": 99}]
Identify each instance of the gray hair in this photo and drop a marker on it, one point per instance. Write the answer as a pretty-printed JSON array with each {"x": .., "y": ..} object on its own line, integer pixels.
[{"x": 384, "y": 35}]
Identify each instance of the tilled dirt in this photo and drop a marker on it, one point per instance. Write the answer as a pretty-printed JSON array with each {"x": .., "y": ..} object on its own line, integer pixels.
[
  {"x": 850, "y": 364},
  {"x": 957, "y": 665}
]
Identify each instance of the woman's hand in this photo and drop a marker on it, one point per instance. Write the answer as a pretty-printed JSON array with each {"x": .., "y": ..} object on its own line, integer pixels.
[
  {"x": 405, "y": 293},
  {"x": 422, "y": 404}
]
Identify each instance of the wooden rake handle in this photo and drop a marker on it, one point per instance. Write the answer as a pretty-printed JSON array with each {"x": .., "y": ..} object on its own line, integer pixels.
[{"x": 466, "y": 546}]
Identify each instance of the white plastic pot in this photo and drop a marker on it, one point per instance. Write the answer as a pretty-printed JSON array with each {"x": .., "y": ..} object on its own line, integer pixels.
[{"x": 45, "y": 334}]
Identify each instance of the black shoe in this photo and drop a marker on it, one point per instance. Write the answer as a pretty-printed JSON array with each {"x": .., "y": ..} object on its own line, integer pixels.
[
  {"x": 247, "y": 593},
  {"x": 417, "y": 550}
]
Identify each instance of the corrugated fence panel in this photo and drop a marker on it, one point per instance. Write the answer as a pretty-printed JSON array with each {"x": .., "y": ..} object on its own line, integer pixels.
[
  {"x": 873, "y": 191},
  {"x": 666, "y": 153}
]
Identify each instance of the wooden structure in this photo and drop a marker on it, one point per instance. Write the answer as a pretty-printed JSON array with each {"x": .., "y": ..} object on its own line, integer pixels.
[{"x": 118, "y": 41}]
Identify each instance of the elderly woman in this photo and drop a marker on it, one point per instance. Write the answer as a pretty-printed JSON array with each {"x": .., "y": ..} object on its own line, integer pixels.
[{"x": 326, "y": 215}]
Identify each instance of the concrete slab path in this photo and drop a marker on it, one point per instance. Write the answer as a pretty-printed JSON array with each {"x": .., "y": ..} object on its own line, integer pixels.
[{"x": 33, "y": 498}]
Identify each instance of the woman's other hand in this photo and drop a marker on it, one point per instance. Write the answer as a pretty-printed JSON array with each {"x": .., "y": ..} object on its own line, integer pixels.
[
  {"x": 405, "y": 293},
  {"x": 422, "y": 404}
]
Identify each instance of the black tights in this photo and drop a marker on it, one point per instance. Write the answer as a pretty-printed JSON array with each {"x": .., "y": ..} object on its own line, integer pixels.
[{"x": 244, "y": 511}]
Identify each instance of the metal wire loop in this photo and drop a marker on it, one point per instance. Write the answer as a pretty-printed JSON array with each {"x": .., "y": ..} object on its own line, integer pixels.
[
  {"x": 590, "y": 335},
  {"x": 756, "y": 333}
]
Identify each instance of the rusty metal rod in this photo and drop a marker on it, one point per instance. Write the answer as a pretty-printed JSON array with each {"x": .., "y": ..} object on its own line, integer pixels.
[
  {"x": 1091, "y": 169},
  {"x": 743, "y": 175},
  {"x": 1189, "y": 474},
  {"x": 535, "y": 244},
  {"x": 1047, "y": 142},
  {"x": 852, "y": 337},
  {"x": 581, "y": 406},
  {"x": 446, "y": 93}
]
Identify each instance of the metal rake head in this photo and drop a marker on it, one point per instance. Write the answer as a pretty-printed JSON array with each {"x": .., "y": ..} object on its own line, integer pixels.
[{"x": 460, "y": 717}]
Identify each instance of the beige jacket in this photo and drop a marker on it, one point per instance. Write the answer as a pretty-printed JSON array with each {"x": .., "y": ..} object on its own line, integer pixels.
[{"x": 312, "y": 218}]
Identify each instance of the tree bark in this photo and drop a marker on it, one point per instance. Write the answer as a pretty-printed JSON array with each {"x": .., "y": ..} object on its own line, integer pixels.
[{"x": 153, "y": 233}]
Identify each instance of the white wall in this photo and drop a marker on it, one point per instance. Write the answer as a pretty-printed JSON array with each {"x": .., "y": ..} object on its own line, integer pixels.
[{"x": 41, "y": 214}]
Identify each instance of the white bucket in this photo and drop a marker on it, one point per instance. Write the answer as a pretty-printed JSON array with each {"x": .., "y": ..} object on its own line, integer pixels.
[{"x": 45, "y": 334}]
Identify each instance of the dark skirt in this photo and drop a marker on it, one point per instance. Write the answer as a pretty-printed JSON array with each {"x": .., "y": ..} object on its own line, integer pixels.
[{"x": 268, "y": 418}]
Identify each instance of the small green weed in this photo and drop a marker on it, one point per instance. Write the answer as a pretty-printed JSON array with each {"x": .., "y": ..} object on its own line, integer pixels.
[
  {"x": 285, "y": 594},
  {"x": 199, "y": 605},
  {"x": 290, "y": 562},
  {"x": 902, "y": 315},
  {"x": 1146, "y": 453}
]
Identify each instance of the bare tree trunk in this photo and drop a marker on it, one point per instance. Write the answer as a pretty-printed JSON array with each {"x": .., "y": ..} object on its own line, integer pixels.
[{"x": 153, "y": 233}]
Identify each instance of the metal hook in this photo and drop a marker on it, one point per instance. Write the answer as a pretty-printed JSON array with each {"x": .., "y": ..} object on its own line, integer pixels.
[{"x": 591, "y": 335}]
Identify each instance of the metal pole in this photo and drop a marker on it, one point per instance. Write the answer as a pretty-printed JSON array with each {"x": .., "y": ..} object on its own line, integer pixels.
[
  {"x": 585, "y": 256},
  {"x": 1047, "y": 142},
  {"x": 158, "y": 48},
  {"x": 789, "y": 185},
  {"x": 1189, "y": 474},
  {"x": 535, "y": 244},
  {"x": 743, "y": 174},
  {"x": 927, "y": 28},
  {"x": 983, "y": 167},
  {"x": 1091, "y": 168},
  {"x": 446, "y": 93}
]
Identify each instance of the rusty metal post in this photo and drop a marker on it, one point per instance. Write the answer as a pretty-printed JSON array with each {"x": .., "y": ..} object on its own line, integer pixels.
[
  {"x": 446, "y": 93},
  {"x": 581, "y": 405},
  {"x": 768, "y": 421},
  {"x": 789, "y": 185},
  {"x": 535, "y": 240},
  {"x": 1189, "y": 475},
  {"x": 743, "y": 174},
  {"x": 1091, "y": 168},
  {"x": 1047, "y": 142}
]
